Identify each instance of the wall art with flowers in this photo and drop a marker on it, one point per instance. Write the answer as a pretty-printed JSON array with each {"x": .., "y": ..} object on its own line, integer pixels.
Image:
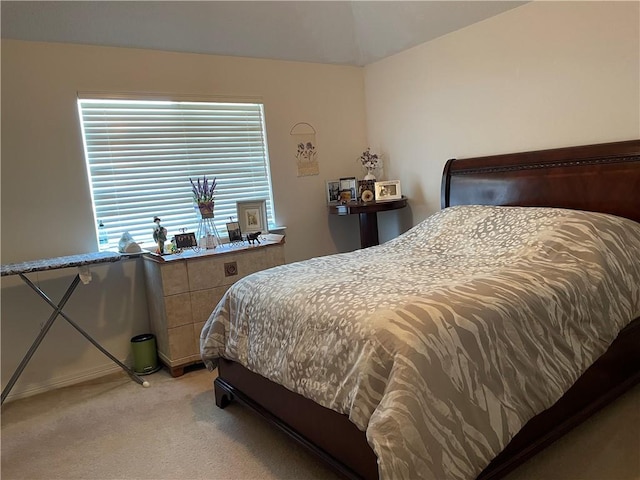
[{"x": 303, "y": 141}]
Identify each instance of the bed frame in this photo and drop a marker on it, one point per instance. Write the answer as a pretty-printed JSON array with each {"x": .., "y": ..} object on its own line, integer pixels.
[{"x": 601, "y": 178}]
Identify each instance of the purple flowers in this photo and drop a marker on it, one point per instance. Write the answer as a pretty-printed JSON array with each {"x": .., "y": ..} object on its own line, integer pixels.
[{"x": 203, "y": 191}]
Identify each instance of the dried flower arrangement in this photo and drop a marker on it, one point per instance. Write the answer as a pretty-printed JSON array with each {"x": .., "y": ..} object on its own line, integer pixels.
[
  {"x": 369, "y": 160},
  {"x": 203, "y": 194},
  {"x": 203, "y": 191}
]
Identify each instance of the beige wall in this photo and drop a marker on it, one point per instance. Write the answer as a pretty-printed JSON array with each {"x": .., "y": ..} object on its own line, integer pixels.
[
  {"x": 46, "y": 206},
  {"x": 40, "y": 133},
  {"x": 544, "y": 75}
]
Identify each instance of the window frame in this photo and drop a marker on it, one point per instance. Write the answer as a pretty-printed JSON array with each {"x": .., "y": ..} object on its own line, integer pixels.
[{"x": 251, "y": 142}]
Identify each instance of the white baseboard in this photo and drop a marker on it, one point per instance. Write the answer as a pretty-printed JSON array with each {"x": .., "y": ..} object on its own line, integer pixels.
[{"x": 60, "y": 382}]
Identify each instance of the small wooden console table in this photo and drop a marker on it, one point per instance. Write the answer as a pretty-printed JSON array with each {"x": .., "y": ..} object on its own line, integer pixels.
[{"x": 368, "y": 215}]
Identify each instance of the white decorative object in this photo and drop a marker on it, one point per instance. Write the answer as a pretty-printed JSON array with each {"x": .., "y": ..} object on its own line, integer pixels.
[
  {"x": 207, "y": 234},
  {"x": 389, "y": 190},
  {"x": 370, "y": 162},
  {"x": 127, "y": 244}
]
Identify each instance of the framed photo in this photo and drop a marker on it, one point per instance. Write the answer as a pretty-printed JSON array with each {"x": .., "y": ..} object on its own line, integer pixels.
[
  {"x": 348, "y": 189},
  {"x": 252, "y": 216},
  {"x": 388, "y": 190},
  {"x": 366, "y": 189},
  {"x": 234, "y": 232},
  {"x": 333, "y": 191},
  {"x": 186, "y": 240}
]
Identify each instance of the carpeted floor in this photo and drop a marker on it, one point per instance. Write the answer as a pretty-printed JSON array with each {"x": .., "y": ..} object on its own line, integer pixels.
[{"x": 114, "y": 429}]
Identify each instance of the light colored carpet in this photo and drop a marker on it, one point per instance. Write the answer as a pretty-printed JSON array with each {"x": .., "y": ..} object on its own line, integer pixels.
[{"x": 114, "y": 429}]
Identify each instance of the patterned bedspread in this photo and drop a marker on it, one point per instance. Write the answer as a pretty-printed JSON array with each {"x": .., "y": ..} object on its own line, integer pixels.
[{"x": 442, "y": 343}]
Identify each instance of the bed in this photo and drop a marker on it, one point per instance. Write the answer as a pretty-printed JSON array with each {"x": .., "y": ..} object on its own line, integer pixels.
[{"x": 601, "y": 178}]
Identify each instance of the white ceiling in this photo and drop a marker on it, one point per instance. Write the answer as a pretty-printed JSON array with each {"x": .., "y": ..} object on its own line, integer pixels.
[{"x": 338, "y": 32}]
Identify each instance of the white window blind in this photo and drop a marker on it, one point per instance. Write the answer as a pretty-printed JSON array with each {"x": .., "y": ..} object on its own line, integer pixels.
[{"x": 140, "y": 155}]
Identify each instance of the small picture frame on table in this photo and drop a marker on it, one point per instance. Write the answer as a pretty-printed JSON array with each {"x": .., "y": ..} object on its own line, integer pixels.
[
  {"x": 234, "y": 231},
  {"x": 252, "y": 216},
  {"x": 348, "y": 189},
  {"x": 186, "y": 240},
  {"x": 333, "y": 191},
  {"x": 366, "y": 189},
  {"x": 388, "y": 190}
]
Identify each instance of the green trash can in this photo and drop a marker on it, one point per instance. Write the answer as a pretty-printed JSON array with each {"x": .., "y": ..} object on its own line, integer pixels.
[{"x": 145, "y": 356}]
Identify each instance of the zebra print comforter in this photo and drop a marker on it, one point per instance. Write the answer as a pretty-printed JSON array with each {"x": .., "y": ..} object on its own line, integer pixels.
[{"x": 442, "y": 343}]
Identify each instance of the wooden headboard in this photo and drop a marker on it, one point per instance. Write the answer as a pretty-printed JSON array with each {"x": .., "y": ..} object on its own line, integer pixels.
[{"x": 600, "y": 178}]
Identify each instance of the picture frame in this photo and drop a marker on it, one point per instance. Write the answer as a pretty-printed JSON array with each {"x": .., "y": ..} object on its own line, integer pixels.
[
  {"x": 333, "y": 191},
  {"x": 252, "y": 216},
  {"x": 366, "y": 189},
  {"x": 388, "y": 190},
  {"x": 234, "y": 232},
  {"x": 186, "y": 240},
  {"x": 348, "y": 189}
]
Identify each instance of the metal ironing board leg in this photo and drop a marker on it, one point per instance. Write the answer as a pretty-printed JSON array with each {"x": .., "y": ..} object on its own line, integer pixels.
[
  {"x": 43, "y": 331},
  {"x": 45, "y": 328}
]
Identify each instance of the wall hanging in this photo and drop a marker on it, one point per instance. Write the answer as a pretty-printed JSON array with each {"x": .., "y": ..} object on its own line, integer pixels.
[{"x": 303, "y": 142}]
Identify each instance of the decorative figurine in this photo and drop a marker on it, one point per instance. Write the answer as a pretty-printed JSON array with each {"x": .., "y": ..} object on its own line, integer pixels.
[
  {"x": 159, "y": 235},
  {"x": 253, "y": 237},
  {"x": 127, "y": 244}
]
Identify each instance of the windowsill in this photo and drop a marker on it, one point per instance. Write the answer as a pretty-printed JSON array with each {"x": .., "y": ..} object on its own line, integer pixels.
[{"x": 225, "y": 248}]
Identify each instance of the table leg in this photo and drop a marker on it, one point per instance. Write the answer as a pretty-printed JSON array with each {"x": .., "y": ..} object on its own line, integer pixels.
[{"x": 368, "y": 230}]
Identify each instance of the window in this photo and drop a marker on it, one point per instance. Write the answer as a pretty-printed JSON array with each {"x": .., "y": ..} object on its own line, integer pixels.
[{"x": 141, "y": 154}]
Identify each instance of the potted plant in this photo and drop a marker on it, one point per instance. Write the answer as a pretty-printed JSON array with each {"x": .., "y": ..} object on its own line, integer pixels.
[
  {"x": 203, "y": 194},
  {"x": 370, "y": 162}
]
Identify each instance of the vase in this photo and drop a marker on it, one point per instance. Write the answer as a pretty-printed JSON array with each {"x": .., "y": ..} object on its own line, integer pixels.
[
  {"x": 206, "y": 209},
  {"x": 369, "y": 175}
]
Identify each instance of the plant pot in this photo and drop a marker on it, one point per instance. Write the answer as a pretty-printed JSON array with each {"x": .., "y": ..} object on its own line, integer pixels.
[{"x": 206, "y": 209}]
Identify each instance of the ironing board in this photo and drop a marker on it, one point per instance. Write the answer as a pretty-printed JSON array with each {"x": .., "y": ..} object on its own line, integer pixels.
[{"x": 82, "y": 261}]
